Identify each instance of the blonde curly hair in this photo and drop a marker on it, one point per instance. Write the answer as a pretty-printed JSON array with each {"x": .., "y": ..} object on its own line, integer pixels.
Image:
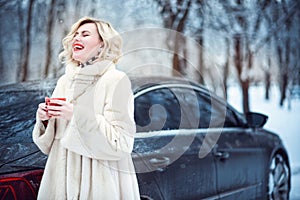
[{"x": 110, "y": 37}]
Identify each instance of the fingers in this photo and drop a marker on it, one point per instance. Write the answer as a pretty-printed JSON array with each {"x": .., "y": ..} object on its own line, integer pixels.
[
  {"x": 60, "y": 109},
  {"x": 43, "y": 106},
  {"x": 54, "y": 114},
  {"x": 55, "y": 109},
  {"x": 55, "y": 106},
  {"x": 42, "y": 112}
]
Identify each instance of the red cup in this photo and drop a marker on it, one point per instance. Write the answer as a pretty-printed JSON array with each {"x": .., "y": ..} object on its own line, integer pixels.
[{"x": 47, "y": 100}]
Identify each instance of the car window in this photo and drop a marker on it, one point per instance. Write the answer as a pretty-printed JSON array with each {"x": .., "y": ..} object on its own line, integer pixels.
[
  {"x": 184, "y": 108},
  {"x": 202, "y": 110},
  {"x": 214, "y": 112},
  {"x": 157, "y": 110}
]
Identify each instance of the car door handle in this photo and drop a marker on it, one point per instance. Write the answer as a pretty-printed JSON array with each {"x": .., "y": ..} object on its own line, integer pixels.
[
  {"x": 160, "y": 162},
  {"x": 221, "y": 154}
]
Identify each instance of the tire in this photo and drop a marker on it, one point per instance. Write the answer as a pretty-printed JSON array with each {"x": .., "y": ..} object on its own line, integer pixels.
[{"x": 279, "y": 178}]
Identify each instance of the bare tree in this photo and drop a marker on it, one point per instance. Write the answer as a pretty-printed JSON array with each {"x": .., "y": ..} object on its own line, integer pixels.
[
  {"x": 50, "y": 25},
  {"x": 263, "y": 6},
  {"x": 290, "y": 9},
  {"x": 200, "y": 13},
  {"x": 21, "y": 31},
  {"x": 238, "y": 61},
  {"x": 237, "y": 27},
  {"x": 268, "y": 79},
  {"x": 280, "y": 23},
  {"x": 221, "y": 21},
  {"x": 242, "y": 22},
  {"x": 27, "y": 43},
  {"x": 9, "y": 55},
  {"x": 283, "y": 41},
  {"x": 226, "y": 67},
  {"x": 174, "y": 17}
]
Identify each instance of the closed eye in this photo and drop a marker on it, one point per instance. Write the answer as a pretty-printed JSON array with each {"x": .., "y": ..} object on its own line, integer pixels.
[{"x": 85, "y": 33}]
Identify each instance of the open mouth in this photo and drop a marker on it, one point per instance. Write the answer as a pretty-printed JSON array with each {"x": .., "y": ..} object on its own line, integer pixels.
[{"x": 77, "y": 47}]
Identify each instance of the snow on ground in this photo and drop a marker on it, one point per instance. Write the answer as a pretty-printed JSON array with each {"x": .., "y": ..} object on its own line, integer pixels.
[{"x": 282, "y": 120}]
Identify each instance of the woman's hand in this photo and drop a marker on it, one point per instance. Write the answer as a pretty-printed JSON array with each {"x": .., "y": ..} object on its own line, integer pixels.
[
  {"x": 61, "y": 109},
  {"x": 42, "y": 112}
]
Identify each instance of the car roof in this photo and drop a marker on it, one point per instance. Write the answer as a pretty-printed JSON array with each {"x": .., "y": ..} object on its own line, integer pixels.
[
  {"x": 138, "y": 83},
  {"x": 142, "y": 82}
]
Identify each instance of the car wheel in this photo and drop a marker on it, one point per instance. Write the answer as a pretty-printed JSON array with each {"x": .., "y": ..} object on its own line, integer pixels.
[{"x": 279, "y": 178}]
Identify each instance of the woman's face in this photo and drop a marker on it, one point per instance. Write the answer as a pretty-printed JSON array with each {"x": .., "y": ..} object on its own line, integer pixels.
[{"x": 86, "y": 42}]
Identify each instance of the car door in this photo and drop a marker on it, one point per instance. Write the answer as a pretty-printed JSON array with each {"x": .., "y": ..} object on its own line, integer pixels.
[
  {"x": 239, "y": 159},
  {"x": 167, "y": 144},
  {"x": 240, "y": 165}
]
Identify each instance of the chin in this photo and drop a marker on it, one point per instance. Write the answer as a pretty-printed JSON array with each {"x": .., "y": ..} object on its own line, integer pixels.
[{"x": 78, "y": 59}]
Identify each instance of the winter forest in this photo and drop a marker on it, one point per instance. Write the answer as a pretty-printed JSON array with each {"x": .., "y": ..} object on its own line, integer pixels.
[{"x": 214, "y": 42}]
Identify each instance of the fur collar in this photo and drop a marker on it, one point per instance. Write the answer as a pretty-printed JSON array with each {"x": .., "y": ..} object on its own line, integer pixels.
[{"x": 89, "y": 72}]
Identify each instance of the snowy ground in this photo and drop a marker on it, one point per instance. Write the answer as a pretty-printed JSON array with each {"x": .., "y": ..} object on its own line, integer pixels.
[{"x": 284, "y": 121}]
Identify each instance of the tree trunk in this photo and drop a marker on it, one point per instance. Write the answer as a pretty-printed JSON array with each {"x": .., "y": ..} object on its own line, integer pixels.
[
  {"x": 201, "y": 61},
  {"x": 176, "y": 68},
  {"x": 226, "y": 67},
  {"x": 268, "y": 84},
  {"x": 239, "y": 67},
  {"x": 26, "y": 50},
  {"x": 22, "y": 36},
  {"x": 284, "y": 74},
  {"x": 284, "y": 83},
  {"x": 178, "y": 43},
  {"x": 50, "y": 26},
  {"x": 245, "y": 92},
  {"x": 247, "y": 81},
  {"x": 268, "y": 80}
]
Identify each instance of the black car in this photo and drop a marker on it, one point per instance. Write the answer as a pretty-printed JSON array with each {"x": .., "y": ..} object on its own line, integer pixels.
[{"x": 190, "y": 144}]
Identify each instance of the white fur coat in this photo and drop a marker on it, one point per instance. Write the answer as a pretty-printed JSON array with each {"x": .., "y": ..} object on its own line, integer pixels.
[{"x": 90, "y": 156}]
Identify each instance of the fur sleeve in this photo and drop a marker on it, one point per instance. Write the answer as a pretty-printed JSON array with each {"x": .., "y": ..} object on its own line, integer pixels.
[{"x": 43, "y": 136}]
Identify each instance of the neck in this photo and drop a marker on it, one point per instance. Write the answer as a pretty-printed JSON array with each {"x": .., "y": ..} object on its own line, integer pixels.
[{"x": 91, "y": 61}]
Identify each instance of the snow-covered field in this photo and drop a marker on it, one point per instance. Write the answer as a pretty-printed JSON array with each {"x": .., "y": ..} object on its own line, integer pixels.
[{"x": 284, "y": 121}]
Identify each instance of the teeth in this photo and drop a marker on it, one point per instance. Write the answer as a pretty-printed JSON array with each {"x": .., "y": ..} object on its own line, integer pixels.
[{"x": 78, "y": 47}]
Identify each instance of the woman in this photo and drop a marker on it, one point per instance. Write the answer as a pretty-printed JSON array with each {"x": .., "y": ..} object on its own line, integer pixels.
[{"x": 89, "y": 137}]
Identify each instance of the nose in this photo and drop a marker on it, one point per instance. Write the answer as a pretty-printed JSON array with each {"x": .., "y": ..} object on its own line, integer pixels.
[{"x": 76, "y": 37}]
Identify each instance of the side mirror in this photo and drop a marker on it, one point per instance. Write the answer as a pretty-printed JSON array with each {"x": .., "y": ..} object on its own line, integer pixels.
[{"x": 256, "y": 120}]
